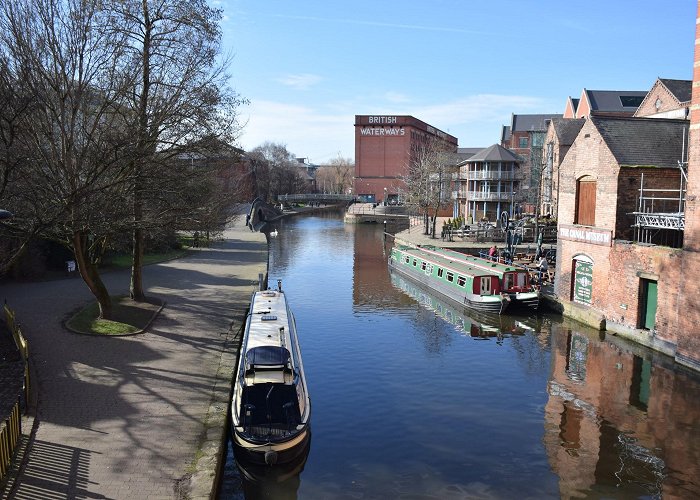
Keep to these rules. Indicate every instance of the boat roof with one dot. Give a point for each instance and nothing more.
(481, 263)
(268, 314)
(457, 265)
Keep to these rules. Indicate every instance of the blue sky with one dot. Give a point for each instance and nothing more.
(308, 67)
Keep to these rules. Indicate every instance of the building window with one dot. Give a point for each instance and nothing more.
(585, 201)
(522, 142)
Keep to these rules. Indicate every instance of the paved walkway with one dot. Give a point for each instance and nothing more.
(128, 417)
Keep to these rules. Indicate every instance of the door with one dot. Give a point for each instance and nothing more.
(485, 285)
(647, 307)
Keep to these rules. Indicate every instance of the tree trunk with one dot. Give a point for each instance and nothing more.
(88, 271)
(136, 284)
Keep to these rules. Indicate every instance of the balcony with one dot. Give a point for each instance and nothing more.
(485, 176)
(481, 196)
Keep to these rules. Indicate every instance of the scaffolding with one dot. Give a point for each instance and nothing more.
(660, 215)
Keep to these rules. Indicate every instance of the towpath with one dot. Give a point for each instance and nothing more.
(140, 416)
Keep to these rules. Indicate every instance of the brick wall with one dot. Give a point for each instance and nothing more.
(688, 325)
(658, 91)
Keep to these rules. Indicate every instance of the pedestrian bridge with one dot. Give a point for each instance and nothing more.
(319, 197)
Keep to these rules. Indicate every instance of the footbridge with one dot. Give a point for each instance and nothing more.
(316, 197)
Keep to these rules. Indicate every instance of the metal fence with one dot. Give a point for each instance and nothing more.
(11, 425)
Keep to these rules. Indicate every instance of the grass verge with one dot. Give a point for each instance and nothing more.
(123, 261)
(128, 317)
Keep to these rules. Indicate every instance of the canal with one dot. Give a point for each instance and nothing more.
(414, 398)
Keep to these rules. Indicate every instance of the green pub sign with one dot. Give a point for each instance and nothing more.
(583, 282)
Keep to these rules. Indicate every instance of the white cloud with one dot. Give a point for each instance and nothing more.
(301, 81)
(307, 132)
(321, 133)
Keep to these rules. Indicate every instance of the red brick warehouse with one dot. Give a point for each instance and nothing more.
(383, 145)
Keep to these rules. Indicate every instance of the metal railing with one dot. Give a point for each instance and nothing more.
(481, 196)
(491, 175)
(315, 197)
(11, 425)
(10, 432)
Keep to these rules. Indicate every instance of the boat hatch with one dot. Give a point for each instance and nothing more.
(267, 357)
(269, 317)
(268, 364)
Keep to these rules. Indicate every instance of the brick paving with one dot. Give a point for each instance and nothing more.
(124, 418)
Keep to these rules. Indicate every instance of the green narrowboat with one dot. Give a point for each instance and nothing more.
(515, 281)
(465, 284)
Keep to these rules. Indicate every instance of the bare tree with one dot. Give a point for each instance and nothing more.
(69, 155)
(428, 180)
(179, 97)
(336, 176)
(275, 170)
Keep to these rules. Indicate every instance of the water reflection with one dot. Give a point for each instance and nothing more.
(477, 325)
(432, 401)
(280, 482)
(620, 419)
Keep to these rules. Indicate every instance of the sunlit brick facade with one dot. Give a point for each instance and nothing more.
(383, 146)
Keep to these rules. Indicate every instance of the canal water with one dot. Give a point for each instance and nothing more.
(413, 398)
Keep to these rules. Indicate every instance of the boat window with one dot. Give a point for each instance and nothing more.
(415, 262)
(461, 280)
(450, 277)
(440, 272)
(509, 281)
(423, 265)
(485, 286)
(406, 259)
(522, 279)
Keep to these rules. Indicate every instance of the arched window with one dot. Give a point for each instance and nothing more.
(585, 201)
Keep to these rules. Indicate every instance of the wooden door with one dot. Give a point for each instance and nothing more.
(585, 202)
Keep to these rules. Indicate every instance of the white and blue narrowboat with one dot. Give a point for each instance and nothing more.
(467, 285)
(270, 408)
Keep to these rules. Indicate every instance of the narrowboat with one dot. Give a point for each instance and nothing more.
(478, 326)
(467, 285)
(270, 407)
(515, 281)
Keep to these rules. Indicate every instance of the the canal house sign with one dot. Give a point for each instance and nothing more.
(586, 234)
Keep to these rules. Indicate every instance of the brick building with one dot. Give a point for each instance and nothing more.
(604, 102)
(688, 311)
(667, 99)
(383, 148)
(620, 227)
(525, 137)
(560, 135)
